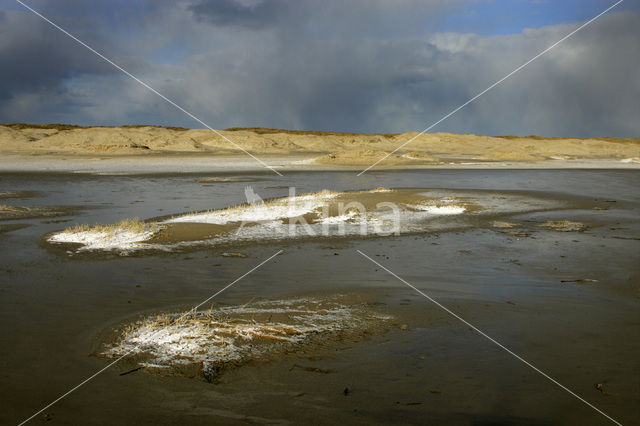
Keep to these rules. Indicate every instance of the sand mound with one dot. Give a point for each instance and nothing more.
(128, 234)
(204, 344)
(379, 212)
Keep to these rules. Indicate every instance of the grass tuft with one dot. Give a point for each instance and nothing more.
(268, 202)
(132, 225)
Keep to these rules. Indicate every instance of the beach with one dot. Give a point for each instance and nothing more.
(240, 212)
(563, 297)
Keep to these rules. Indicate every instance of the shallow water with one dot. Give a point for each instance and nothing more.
(56, 308)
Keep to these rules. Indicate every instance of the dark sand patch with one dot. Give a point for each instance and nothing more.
(12, 227)
(8, 212)
(19, 194)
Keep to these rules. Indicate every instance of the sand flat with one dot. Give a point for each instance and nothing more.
(531, 288)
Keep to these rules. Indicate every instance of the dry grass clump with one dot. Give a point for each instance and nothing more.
(54, 126)
(564, 226)
(267, 203)
(6, 208)
(130, 225)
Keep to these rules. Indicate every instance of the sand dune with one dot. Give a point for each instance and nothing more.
(317, 147)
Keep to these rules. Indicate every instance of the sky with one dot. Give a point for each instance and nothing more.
(373, 66)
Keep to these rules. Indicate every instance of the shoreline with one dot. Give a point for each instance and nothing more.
(201, 163)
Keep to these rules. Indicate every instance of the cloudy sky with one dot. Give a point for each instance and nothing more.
(342, 65)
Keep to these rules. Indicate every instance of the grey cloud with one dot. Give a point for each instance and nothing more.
(324, 68)
(232, 12)
(46, 76)
(34, 57)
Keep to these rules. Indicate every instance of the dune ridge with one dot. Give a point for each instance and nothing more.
(316, 147)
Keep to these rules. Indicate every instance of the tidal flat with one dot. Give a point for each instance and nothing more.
(554, 278)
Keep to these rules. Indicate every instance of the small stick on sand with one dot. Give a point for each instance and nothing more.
(132, 371)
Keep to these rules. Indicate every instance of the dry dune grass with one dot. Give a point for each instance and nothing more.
(129, 225)
(268, 203)
(60, 127)
(52, 126)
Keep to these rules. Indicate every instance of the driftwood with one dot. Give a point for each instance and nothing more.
(132, 371)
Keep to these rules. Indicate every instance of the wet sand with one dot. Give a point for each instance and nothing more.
(234, 163)
(506, 281)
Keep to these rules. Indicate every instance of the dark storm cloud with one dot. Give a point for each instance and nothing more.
(33, 58)
(44, 73)
(332, 65)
